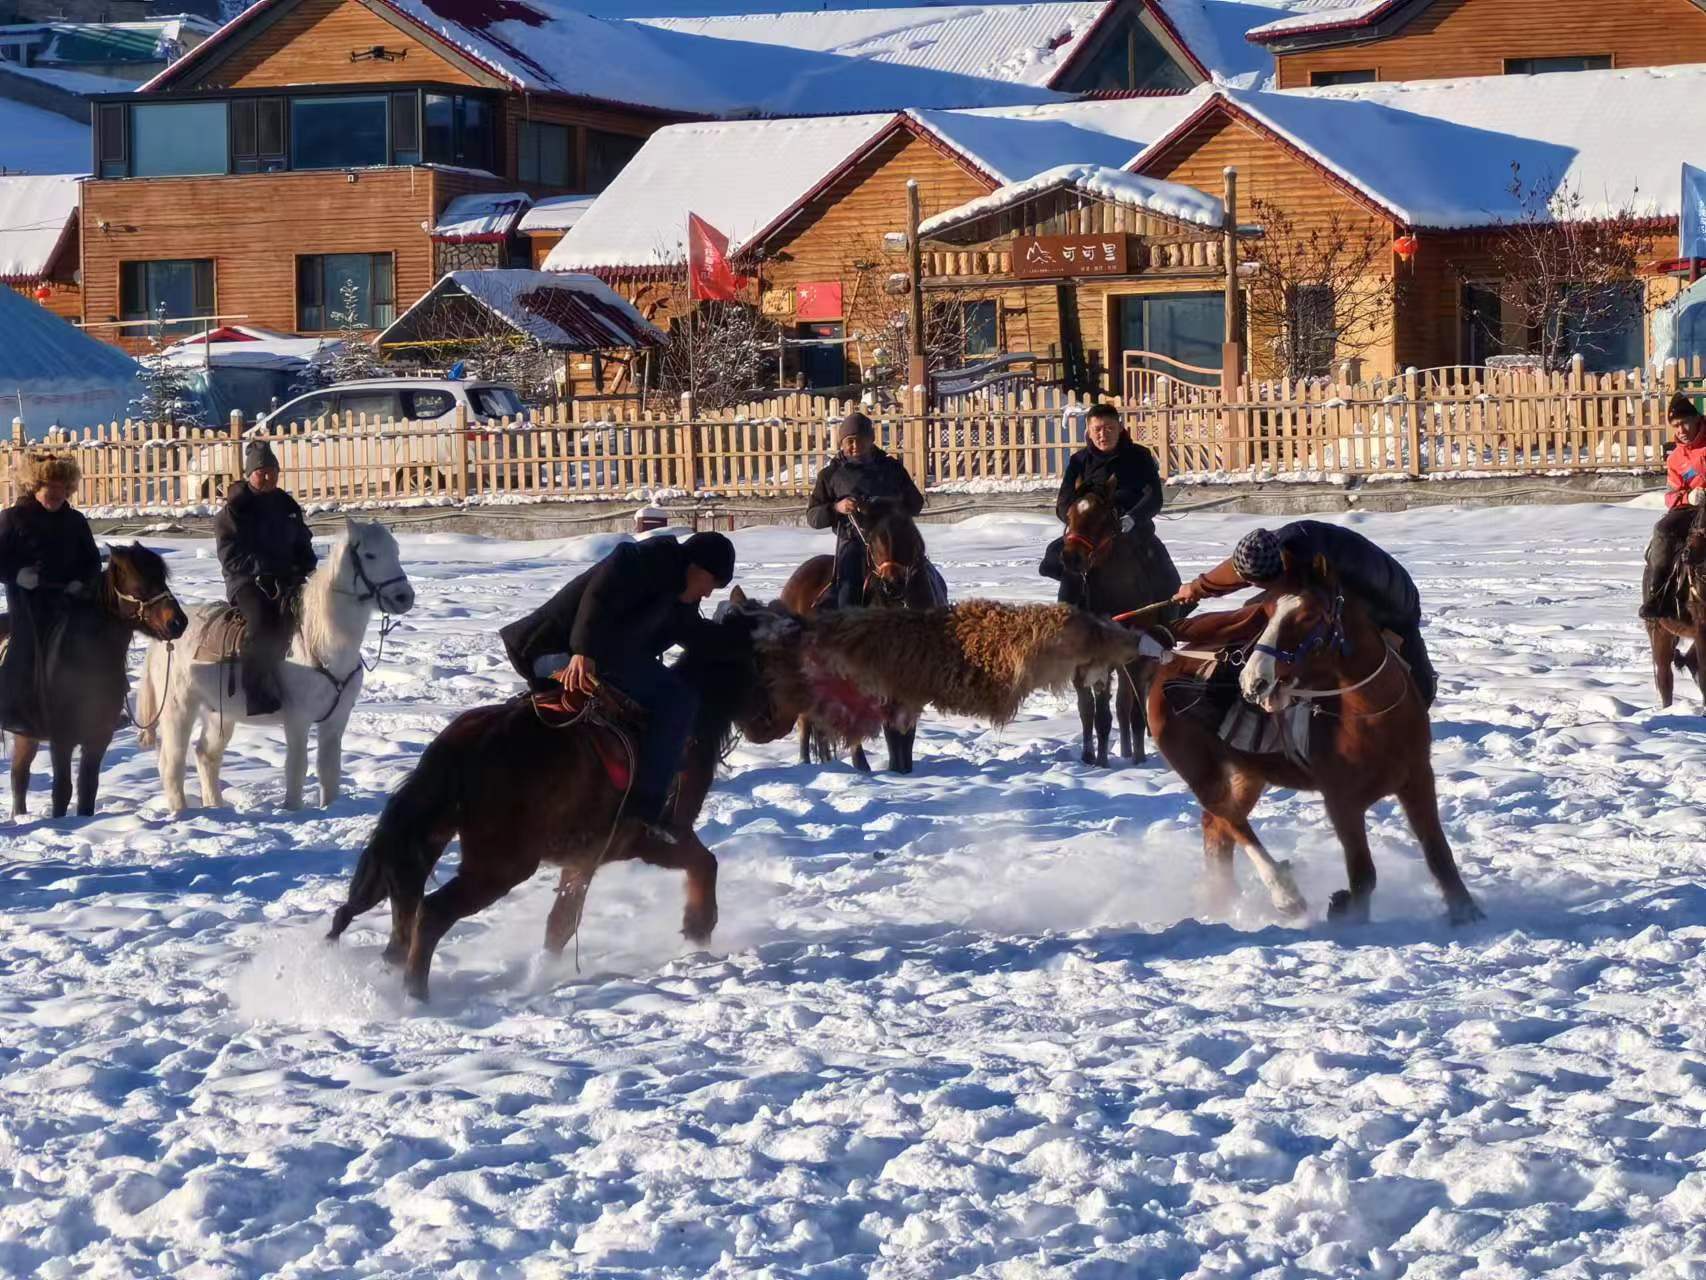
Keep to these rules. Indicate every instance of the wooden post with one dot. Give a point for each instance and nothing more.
(1232, 348)
(917, 435)
(688, 453)
(916, 371)
(236, 445)
(459, 450)
(1413, 420)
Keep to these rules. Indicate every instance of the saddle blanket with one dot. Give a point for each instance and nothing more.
(221, 635)
(611, 720)
(1217, 705)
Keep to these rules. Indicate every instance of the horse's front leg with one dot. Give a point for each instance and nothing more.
(89, 773)
(210, 748)
(1350, 824)
(1104, 717)
(565, 918)
(61, 753)
(1699, 652)
(1664, 652)
(295, 761)
(23, 756)
(1086, 716)
(689, 854)
(329, 760)
(174, 732)
(1128, 713)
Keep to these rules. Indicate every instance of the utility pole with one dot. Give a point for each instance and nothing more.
(916, 372)
(1232, 349)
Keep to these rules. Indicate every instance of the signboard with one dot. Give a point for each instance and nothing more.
(1050, 257)
(778, 304)
(820, 300)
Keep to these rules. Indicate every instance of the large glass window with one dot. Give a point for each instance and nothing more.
(337, 133)
(479, 147)
(406, 128)
(344, 290)
(257, 135)
(111, 158)
(544, 158)
(177, 137)
(1545, 66)
(1184, 328)
(606, 153)
(1127, 57)
(166, 290)
(458, 130)
(1325, 79)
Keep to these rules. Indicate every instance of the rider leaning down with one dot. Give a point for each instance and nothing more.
(1687, 489)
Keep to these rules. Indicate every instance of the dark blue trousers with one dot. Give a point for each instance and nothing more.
(671, 705)
(849, 574)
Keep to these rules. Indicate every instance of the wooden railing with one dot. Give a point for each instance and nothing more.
(1518, 421)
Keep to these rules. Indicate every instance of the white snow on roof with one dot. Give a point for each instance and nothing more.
(37, 141)
(558, 213)
(1312, 15)
(484, 216)
(1438, 153)
(258, 349)
(34, 215)
(78, 82)
(1215, 32)
(738, 176)
(589, 316)
(1170, 199)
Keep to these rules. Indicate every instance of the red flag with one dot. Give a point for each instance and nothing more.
(710, 277)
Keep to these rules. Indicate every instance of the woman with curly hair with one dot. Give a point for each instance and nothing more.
(50, 565)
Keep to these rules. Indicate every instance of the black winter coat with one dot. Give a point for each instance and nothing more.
(263, 535)
(1383, 584)
(60, 548)
(881, 479)
(57, 544)
(626, 606)
(1137, 480)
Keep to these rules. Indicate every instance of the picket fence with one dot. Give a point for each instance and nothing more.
(1520, 421)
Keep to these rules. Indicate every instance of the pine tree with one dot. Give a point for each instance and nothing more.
(167, 393)
(351, 357)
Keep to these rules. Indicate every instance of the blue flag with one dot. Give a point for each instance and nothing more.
(1692, 224)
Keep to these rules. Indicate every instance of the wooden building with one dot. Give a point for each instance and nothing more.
(38, 241)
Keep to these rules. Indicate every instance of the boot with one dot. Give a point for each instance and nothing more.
(642, 822)
(1652, 607)
(261, 692)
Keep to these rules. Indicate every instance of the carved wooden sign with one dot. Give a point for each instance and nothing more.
(1049, 257)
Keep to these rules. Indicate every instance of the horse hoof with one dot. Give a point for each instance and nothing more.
(698, 932)
(1343, 908)
(1464, 911)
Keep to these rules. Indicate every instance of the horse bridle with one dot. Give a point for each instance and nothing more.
(874, 568)
(1328, 632)
(371, 589)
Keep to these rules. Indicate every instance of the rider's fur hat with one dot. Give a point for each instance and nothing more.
(1257, 557)
(1681, 406)
(853, 425)
(258, 454)
(37, 469)
(714, 553)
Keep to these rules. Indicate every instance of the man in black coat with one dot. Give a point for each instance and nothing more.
(50, 565)
(859, 477)
(267, 552)
(1110, 454)
(1382, 584)
(614, 622)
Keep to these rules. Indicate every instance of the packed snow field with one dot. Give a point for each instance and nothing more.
(972, 1022)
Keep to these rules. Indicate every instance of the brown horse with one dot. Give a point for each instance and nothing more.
(84, 678)
(1112, 575)
(1366, 739)
(524, 788)
(898, 575)
(1689, 623)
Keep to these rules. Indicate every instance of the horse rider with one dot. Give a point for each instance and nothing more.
(267, 552)
(1686, 473)
(860, 475)
(50, 565)
(1372, 575)
(1109, 452)
(614, 622)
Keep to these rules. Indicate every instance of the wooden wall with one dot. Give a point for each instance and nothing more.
(1474, 37)
(312, 44)
(578, 115)
(64, 299)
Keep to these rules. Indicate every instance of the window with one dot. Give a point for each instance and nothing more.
(606, 154)
(339, 290)
(1129, 57)
(495, 402)
(973, 325)
(169, 290)
(406, 128)
(337, 133)
(1326, 79)
(822, 354)
(1545, 66)
(178, 137)
(257, 135)
(112, 160)
(308, 409)
(424, 406)
(1182, 328)
(1482, 316)
(457, 129)
(438, 127)
(1605, 326)
(478, 147)
(1311, 330)
(385, 405)
(544, 158)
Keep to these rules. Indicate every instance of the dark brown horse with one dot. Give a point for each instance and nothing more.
(1368, 737)
(898, 575)
(523, 788)
(1112, 574)
(1688, 622)
(84, 677)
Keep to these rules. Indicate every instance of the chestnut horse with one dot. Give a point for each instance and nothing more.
(1114, 575)
(1689, 622)
(898, 575)
(1367, 738)
(84, 684)
(522, 787)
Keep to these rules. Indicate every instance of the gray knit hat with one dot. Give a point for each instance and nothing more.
(853, 425)
(258, 454)
(1257, 557)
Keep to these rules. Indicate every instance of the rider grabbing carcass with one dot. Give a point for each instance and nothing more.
(1686, 471)
(860, 475)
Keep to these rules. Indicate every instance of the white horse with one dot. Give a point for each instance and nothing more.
(320, 680)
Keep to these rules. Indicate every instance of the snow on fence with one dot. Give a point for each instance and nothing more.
(1519, 421)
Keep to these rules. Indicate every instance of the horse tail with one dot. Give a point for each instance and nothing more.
(148, 700)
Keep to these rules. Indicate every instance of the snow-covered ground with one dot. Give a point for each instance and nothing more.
(966, 1023)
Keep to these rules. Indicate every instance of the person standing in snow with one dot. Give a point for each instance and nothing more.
(266, 552)
(1377, 579)
(1686, 473)
(862, 474)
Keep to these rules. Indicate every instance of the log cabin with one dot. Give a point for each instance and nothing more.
(38, 241)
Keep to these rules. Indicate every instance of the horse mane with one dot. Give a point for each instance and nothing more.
(315, 606)
(722, 668)
(900, 532)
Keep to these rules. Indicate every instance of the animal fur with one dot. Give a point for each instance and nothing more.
(36, 469)
(977, 658)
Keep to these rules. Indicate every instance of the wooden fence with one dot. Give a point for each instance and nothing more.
(1515, 422)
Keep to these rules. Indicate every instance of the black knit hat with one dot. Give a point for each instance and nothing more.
(1681, 406)
(1257, 557)
(258, 454)
(713, 553)
(855, 424)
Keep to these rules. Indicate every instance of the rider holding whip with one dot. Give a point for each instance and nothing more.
(860, 475)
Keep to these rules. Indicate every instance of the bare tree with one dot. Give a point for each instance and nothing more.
(1318, 293)
(880, 320)
(721, 351)
(1571, 281)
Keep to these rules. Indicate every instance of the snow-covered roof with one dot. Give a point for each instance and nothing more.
(38, 141)
(558, 213)
(36, 346)
(573, 312)
(488, 216)
(1438, 153)
(1315, 17)
(36, 216)
(1215, 32)
(738, 176)
(78, 82)
(1169, 199)
(250, 347)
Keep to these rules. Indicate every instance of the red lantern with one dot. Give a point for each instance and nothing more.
(1405, 247)
(43, 293)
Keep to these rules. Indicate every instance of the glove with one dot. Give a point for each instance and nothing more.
(1127, 524)
(29, 577)
(74, 589)
(1697, 497)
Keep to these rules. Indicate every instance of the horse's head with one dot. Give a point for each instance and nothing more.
(1092, 524)
(1309, 631)
(896, 553)
(372, 567)
(746, 671)
(136, 581)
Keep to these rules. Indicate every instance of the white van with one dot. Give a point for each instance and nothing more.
(422, 400)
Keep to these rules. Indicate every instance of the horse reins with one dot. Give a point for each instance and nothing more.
(1328, 633)
(142, 606)
(372, 592)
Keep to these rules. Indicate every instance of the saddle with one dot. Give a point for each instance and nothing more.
(222, 637)
(1215, 702)
(611, 719)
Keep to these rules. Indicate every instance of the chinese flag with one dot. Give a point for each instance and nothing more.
(710, 277)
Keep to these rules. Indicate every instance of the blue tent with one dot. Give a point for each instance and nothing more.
(54, 374)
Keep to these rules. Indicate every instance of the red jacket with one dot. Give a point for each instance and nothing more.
(1687, 470)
